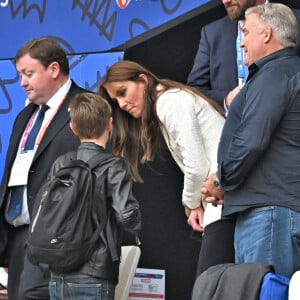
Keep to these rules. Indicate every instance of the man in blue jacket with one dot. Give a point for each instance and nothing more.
(259, 150)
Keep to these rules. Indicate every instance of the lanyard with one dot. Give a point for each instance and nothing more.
(242, 70)
(27, 130)
(44, 128)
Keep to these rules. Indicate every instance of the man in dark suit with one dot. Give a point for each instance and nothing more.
(44, 70)
(215, 65)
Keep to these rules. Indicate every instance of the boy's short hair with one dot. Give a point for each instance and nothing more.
(89, 114)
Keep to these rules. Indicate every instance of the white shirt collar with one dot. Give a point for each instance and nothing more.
(56, 99)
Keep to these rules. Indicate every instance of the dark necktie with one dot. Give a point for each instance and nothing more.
(16, 199)
(30, 143)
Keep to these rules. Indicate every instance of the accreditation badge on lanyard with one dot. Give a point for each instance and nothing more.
(21, 166)
(23, 160)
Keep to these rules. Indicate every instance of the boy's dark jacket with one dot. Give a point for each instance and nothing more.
(114, 187)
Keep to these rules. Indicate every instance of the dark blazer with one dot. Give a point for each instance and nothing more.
(57, 140)
(214, 71)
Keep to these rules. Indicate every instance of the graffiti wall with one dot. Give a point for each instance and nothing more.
(88, 30)
(84, 25)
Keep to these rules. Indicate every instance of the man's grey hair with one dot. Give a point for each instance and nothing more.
(280, 18)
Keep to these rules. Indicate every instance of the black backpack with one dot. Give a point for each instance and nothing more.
(64, 227)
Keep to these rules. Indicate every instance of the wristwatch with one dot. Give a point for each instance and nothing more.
(217, 183)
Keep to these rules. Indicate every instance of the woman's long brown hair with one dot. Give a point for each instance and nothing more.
(132, 138)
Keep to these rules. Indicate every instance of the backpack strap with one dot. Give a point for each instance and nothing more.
(93, 162)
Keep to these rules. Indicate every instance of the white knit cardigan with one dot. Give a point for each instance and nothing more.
(191, 128)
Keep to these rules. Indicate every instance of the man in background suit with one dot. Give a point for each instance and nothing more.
(44, 70)
(215, 65)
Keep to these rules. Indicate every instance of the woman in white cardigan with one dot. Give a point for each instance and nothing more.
(150, 113)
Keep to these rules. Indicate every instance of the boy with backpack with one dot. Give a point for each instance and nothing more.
(83, 255)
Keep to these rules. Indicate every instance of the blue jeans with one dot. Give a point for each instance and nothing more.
(269, 235)
(79, 287)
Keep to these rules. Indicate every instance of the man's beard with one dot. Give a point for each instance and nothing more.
(236, 12)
